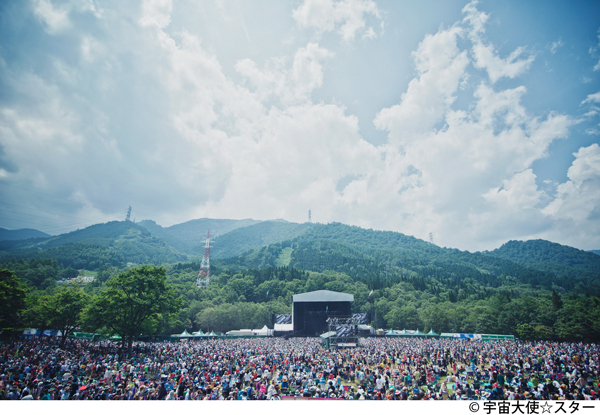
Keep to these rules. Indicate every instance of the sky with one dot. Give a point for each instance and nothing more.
(466, 124)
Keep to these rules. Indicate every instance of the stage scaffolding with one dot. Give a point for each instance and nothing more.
(343, 332)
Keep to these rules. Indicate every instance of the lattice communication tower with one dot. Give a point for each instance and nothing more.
(204, 273)
(128, 214)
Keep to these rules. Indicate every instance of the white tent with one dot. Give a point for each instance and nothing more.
(262, 332)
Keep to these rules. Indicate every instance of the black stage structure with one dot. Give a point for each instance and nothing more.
(311, 311)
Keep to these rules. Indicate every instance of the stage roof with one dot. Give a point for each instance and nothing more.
(322, 296)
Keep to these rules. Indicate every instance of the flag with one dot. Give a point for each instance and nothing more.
(370, 293)
(267, 293)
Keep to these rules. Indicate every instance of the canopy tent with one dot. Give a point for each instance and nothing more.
(461, 336)
(242, 332)
(432, 334)
(86, 336)
(406, 333)
(184, 335)
(262, 332)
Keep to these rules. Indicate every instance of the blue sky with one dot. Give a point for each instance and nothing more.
(467, 123)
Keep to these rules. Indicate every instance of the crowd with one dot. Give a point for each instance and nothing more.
(275, 368)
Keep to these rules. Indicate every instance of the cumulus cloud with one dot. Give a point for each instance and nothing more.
(288, 85)
(156, 122)
(576, 207)
(517, 193)
(156, 13)
(485, 55)
(347, 17)
(440, 66)
(459, 173)
(169, 133)
(54, 18)
(54, 15)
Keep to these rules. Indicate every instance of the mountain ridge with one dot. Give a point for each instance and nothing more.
(20, 234)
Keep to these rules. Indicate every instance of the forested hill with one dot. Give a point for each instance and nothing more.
(381, 258)
(113, 243)
(416, 284)
(19, 234)
(188, 237)
(256, 236)
(549, 256)
(402, 281)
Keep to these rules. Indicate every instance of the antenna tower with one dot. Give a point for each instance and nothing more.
(204, 273)
(309, 216)
(128, 214)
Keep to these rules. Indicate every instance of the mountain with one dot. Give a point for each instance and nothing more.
(19, 234)
(381, 258)
(256, 236)
(595, 251)
(546, 292)
(549, 256)
(113, 243)
(188, 237)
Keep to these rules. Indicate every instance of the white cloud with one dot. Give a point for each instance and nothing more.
(576, 208)
(156, 13)
(591, 98)
(517, 193)
(288, 85)
(348, 17)
(55, 19)
(485, 55)
(555, 45)
(593, 50)
(440, 66)
(169, 132)
(511, 67)
(458, 174)
(594, 110)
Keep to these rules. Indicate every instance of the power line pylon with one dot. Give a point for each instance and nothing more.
(204, 273)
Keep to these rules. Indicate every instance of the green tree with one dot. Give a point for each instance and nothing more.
(13, 294)
(39, 312)
(556, 301)
(526, 331)
(543, 333)
(132, 303)
(68, 305)
(68, 273)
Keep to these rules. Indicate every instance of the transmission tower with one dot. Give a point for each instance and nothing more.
(309, 216)
(128, 214)
(204, 273)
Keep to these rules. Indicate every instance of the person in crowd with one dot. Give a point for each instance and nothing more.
(275, 368)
